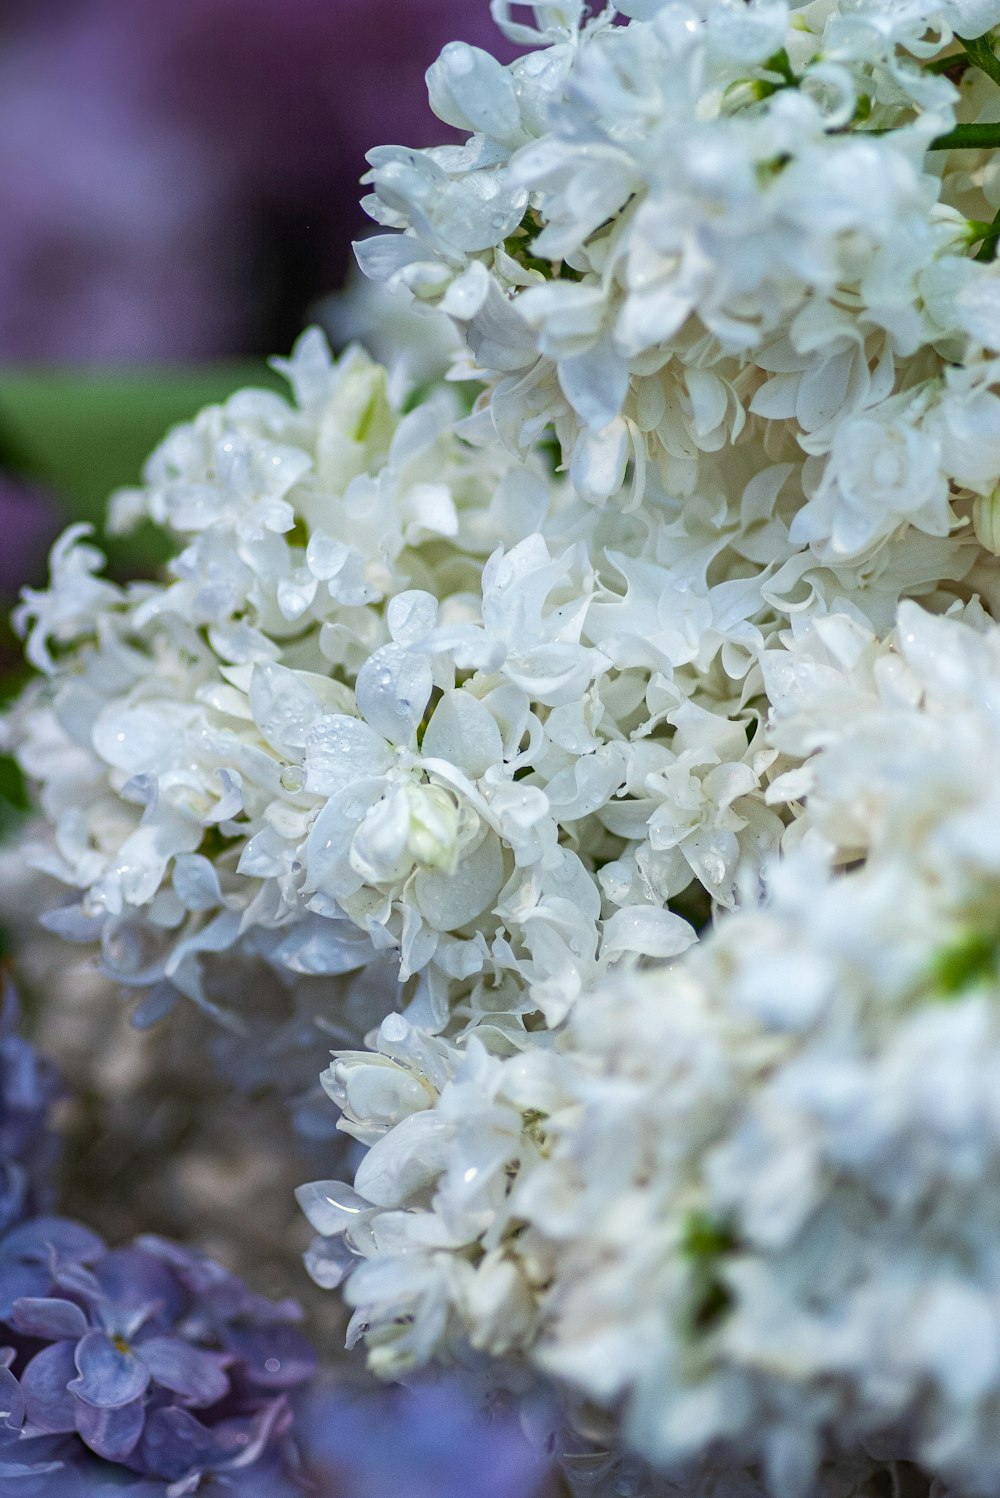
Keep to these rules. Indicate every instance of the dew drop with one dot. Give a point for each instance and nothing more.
(292, 778)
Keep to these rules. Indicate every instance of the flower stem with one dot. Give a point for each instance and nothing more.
(968, 138)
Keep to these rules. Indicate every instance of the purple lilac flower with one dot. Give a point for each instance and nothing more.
(150, 1366)
(434, 1442)
(29, 1085)
(152, 1356)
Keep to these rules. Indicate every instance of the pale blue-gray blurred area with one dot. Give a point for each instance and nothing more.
(179, 186)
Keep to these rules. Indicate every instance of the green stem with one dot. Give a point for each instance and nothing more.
(968, 138)
(980, 50)
(988, 247)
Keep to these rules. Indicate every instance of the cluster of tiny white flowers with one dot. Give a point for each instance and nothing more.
(447, 736)
(712, 228)
(401, 704)
(747, 1203)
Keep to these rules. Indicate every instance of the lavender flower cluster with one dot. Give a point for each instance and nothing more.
(150, 1357)
(29, 1085)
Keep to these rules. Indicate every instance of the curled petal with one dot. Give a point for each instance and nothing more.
(49, 1317)
(110, 1376)
(44, 1384)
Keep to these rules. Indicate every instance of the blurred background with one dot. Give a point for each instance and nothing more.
(178, 194)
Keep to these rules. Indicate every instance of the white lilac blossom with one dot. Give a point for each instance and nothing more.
(746, 1204)
(717, 227)
(430, 750)
(406, 706)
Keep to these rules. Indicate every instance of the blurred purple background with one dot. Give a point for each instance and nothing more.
(179, 178)
(178, 184)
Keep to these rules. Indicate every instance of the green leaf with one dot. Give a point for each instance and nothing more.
(968, 962)
(86, 432)
(980, 50)
(989, 236)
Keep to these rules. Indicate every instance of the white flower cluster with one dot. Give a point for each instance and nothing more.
(422, 738)
(402, 706)
(715, 228)
(747, 1205)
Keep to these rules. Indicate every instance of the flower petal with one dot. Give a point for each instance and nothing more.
(340, 751)
(110, 1377)
(239, 1442)
(137, 1286)
(175, 1443)
(111, 1433)
(272, 1357)
(392, 690)
(198, 1376)
(44, 1384)
(41, 1238)
(11, 1404)
(17, 1280)
(49, 1317)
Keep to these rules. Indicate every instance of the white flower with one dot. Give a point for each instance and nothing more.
(737, 1203)
(662, 227)
(399, 696)
(640, 810)
(880, 475)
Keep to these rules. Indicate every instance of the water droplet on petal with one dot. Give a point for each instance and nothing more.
(292, 778)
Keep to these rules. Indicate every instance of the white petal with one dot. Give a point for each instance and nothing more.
(464, 732)
(648, 931)
(392, 691)
(340, 751)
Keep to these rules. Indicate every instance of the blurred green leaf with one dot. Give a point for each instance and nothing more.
(13, 790)
(15, 803)
(86, 432)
